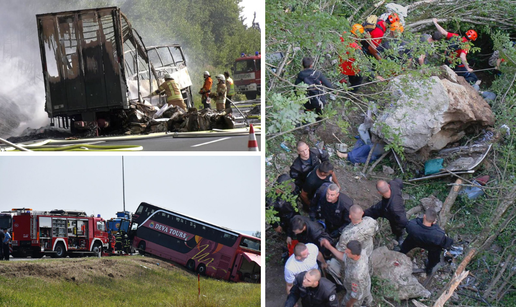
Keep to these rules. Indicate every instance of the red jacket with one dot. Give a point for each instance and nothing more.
(346, 66)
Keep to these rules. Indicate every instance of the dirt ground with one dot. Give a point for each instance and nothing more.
(80, 270)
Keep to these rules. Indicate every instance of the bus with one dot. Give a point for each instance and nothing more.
(208, 249)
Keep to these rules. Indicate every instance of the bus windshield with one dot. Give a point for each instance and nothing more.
(250, 244)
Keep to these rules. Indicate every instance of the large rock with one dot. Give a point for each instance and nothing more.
(396, 269)
(432, 113)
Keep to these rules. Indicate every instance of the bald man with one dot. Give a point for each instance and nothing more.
(390, 207)
(314, 291)
(307, 159)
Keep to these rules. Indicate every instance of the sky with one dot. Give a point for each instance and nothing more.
(223, 190)
(251, 6)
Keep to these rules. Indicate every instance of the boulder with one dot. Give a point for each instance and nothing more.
(432, 113)
(431, 202)
(396, 269)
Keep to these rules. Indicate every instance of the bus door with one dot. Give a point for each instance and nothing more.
(236, 275)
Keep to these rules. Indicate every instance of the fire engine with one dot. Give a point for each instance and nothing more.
(247, 75)
(57, 233)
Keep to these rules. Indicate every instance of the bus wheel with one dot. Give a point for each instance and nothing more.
(141, 247)
(60, 250)
(190, 265)
(201, 269)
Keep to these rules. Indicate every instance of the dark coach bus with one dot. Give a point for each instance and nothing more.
(200, 246)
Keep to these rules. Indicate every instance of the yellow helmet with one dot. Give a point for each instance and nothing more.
(357, 27)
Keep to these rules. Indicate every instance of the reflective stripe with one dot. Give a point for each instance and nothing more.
(171, 89)
(231, 87)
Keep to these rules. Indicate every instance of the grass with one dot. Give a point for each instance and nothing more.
(151, 286)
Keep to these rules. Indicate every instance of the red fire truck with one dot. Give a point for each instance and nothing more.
(247, 75)
(57, 233)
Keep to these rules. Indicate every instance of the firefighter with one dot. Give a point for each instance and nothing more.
(206, 90)
(220, 96)
(230, 85)
(173, 92)
(313, 290)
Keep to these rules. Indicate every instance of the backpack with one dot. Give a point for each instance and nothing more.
(313, 82)
(370, 23)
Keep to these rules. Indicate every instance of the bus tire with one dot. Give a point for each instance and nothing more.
(60, 250)
(141, 247)
(201, 269)
(190, 265)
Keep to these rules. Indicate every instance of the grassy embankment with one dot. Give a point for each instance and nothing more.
(115, 281)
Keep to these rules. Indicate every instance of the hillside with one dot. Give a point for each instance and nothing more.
(111, 281)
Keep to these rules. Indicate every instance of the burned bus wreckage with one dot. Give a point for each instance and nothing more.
(97, 71)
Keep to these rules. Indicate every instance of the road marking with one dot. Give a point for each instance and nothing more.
(222, 139)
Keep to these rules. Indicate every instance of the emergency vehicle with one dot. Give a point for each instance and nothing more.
(57, 233)
(247, 75)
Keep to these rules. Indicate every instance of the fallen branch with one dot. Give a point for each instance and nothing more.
(418, 304)
(368, 159)
(378, 161)
(448, 203)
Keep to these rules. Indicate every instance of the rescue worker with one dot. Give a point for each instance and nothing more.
(173, 92)
(220, 96)
(390, 207)
(362, 229)
(314, 291)
(2, 238)
(332, 206)
(303, 259)
(347, 67)
(375, 29)
(315, 81)
(426, 234)
(206, 90)
(5, 244)
(281, 204)
(307, 159)
(230, 85)
(430, 39)
(307, 231)
(321, 174)
(457, 52)
(357, 280)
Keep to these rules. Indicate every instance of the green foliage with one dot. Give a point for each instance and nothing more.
(383, 288)
(279, 191)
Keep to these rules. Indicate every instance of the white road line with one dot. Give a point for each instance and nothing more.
(222, 139)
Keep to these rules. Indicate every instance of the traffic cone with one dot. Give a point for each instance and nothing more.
(252, 145)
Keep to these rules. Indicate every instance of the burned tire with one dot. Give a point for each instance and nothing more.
(190, 265)
(201, 269)
(60, 250)
(141, 247)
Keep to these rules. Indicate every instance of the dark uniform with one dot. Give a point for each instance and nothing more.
(432, 238)
(313, 233)
(313, 183)
(322, 295)
(284, 210)
(316, 79)
(335, 215)
(2, 237)
(301, 168)
(391, 208)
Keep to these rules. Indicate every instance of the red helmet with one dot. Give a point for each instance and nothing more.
(393, 17)
(472, 35)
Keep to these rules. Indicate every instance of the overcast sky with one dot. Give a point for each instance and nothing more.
(223, 190)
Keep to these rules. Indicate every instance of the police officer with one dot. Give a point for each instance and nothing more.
(307, 231)
(5, 244)
(357, 280)
(314, 291)
(307, 159)
(321, 174)
(281, 204)
(425, 233)
(332, 206)
(390, 207)
(173, 92)
(304, 258)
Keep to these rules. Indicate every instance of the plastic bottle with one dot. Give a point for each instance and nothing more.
(285, 147)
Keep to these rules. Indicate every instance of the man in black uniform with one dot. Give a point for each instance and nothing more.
(307, 159)
(424, 233)
(390, 207)
(332, 206)
(283, 208)
(314, 291)
(315, 81)
(307, 231)
(321, 174)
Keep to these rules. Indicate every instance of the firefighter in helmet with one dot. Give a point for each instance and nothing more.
(173, 92)
(205, 90)
(230, 85)
(220, 96)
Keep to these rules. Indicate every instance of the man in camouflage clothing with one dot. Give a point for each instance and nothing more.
(357, 280)
(362, 228)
